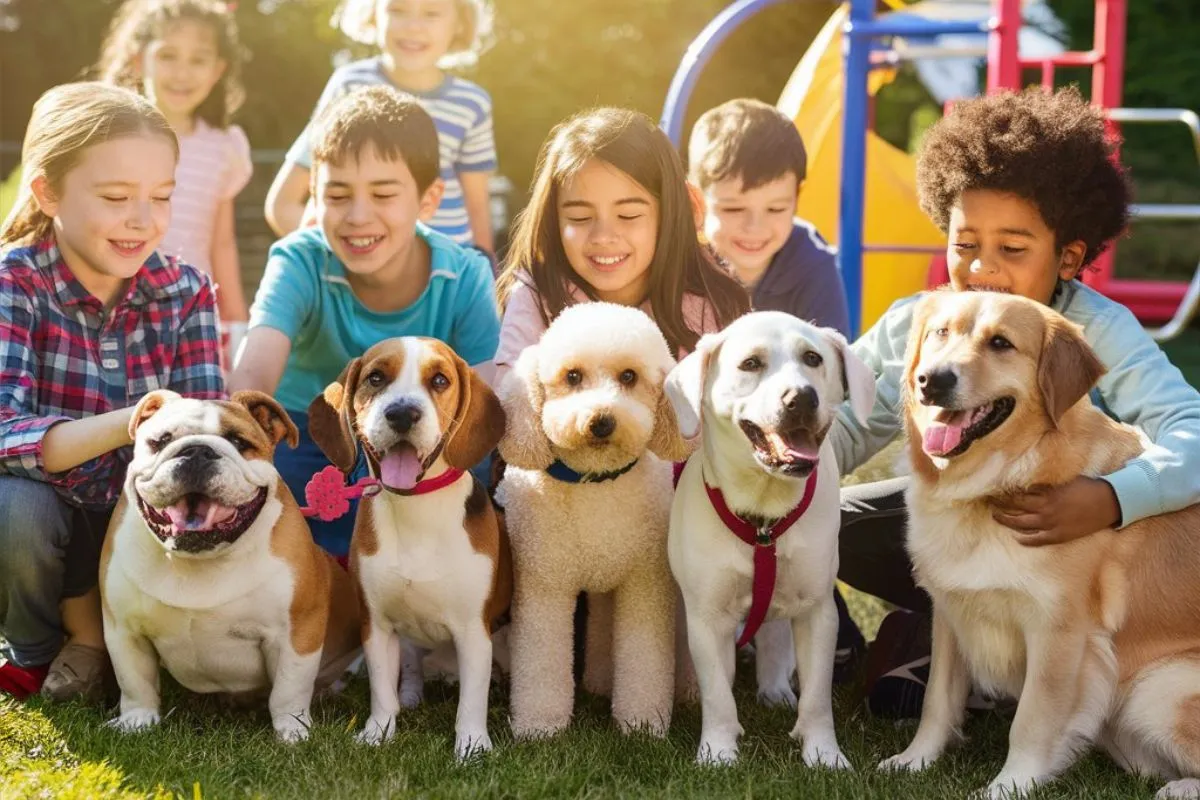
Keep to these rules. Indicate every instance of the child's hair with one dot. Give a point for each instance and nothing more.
(1051, 149)
(66, 121)
(138, 23)
(632, 143)
(392, 122)
(356, 19)
(745, 139)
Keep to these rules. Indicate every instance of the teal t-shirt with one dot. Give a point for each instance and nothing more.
(304, 294)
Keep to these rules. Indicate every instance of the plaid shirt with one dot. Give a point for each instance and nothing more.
(62, 358)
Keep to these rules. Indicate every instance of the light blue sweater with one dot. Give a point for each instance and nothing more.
(1141, 388)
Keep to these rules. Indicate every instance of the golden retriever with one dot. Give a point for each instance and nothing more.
(1098, 638)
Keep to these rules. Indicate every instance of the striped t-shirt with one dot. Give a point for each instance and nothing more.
(462, 112)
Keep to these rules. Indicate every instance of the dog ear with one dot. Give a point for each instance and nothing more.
(270, 416)
(148, 406)
(1068, 368)
(922, 311)
(525, 444)
(478, 422)
(666, 442)
(331, 420)
(858, 381)
(684, 386)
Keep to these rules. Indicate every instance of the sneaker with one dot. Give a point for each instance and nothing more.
(21, 682)
(79, 671)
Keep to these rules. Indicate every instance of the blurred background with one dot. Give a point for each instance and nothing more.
(550, 58)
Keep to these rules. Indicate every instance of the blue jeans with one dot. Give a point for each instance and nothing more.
(297, 467)
(49, 550)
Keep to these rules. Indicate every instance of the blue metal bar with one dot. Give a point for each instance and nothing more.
(697, 56)
(913, 27)
(857, 51)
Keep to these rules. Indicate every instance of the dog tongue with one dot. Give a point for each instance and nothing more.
(198, 514)
(946, 434)
(400, 468)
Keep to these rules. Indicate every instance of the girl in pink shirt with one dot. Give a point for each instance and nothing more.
(185, 57)
(611, 218)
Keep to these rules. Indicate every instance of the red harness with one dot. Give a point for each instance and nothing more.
(762, 539)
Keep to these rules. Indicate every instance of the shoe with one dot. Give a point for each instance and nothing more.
(20, 683)
(79, 671)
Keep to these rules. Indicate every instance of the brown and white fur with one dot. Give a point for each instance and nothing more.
(764, 393)
(1099, 638)
(431, 568)
(599, 367)
(210, 569)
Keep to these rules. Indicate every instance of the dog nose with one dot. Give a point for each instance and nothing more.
(937, 384)
(200, 452)
(800, 399)
(602, 426)
(402, 416)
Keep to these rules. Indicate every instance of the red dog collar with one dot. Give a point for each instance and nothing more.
(328, 497)
(762, 539)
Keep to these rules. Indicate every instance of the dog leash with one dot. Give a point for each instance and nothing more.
(328, 497)
(762, 539)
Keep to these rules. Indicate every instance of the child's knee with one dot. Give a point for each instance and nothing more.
(34, 530)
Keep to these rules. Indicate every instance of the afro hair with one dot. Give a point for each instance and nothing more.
(1052, 149)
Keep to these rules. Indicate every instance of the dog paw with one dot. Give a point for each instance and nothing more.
(411, 693)
(777, 696)
(907, 761)
(825, 755)
(713, 753)
(1185, 789)
(1009, 787)
(292, 728)
(376, 732)
(470, 745)
(137, 719)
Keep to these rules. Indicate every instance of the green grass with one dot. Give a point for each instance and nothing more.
(203, 750)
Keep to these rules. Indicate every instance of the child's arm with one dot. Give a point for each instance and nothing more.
(287, 198)
(196, 371)
(882, 349)
(521, 327)
(477, 200)
(227, 271)
(261, 360)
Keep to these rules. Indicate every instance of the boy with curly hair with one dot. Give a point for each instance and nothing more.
(1029, 192)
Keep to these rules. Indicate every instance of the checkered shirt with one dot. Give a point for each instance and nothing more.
(63, 358)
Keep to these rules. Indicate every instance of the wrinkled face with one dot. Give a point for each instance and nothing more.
(778, 380)
(749, 226)
(406, 401)
(182, 67)
(369, 207)
(201, 472)
(416, 33)
(973, 367)
(600, 397)
(609, 228)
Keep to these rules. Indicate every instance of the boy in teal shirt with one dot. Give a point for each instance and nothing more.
(371, 270)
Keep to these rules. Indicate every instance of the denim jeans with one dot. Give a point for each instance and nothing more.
(49, 550)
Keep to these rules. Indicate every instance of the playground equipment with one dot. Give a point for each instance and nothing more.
(876, 207)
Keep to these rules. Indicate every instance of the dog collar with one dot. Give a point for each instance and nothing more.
(328, 497)
(762, 539)
(560, 471)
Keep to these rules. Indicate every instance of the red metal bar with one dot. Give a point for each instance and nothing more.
(1003, 60)
(1108, 41)
(1074, 58)
(1048, 75)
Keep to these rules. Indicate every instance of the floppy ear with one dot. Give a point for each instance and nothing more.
(478, 421)
(665, 440)
(1068, 368)
(524, 444)
(270, 416)
(331, 419)
(858, 381)
(916, 335)
(148, 406)
(684, 386)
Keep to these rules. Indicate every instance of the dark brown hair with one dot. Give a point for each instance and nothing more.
(392, 122)
(1051, 149)
(138, 23)
(745, 139)
(633, 144)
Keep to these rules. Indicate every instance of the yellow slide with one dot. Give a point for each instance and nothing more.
(813, 98)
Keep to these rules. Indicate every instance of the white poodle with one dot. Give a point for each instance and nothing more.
(587, 493)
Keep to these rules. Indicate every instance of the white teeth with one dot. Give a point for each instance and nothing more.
(608, 261)
(126, 245)
(362, 241)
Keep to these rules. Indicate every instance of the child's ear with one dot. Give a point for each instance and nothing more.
(47, 203)
(1070, 260)
(699, 205)
(431, 199)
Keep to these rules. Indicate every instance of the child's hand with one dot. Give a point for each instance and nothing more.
(1057, 514)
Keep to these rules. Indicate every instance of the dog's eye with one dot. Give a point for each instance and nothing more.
(1000, 343)
(439, 382)
(376, 379)
(942, 333)
(813, 359)
(627, 377)
(237, 441)
(574, 377)
(159, 443)
(751, 364)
